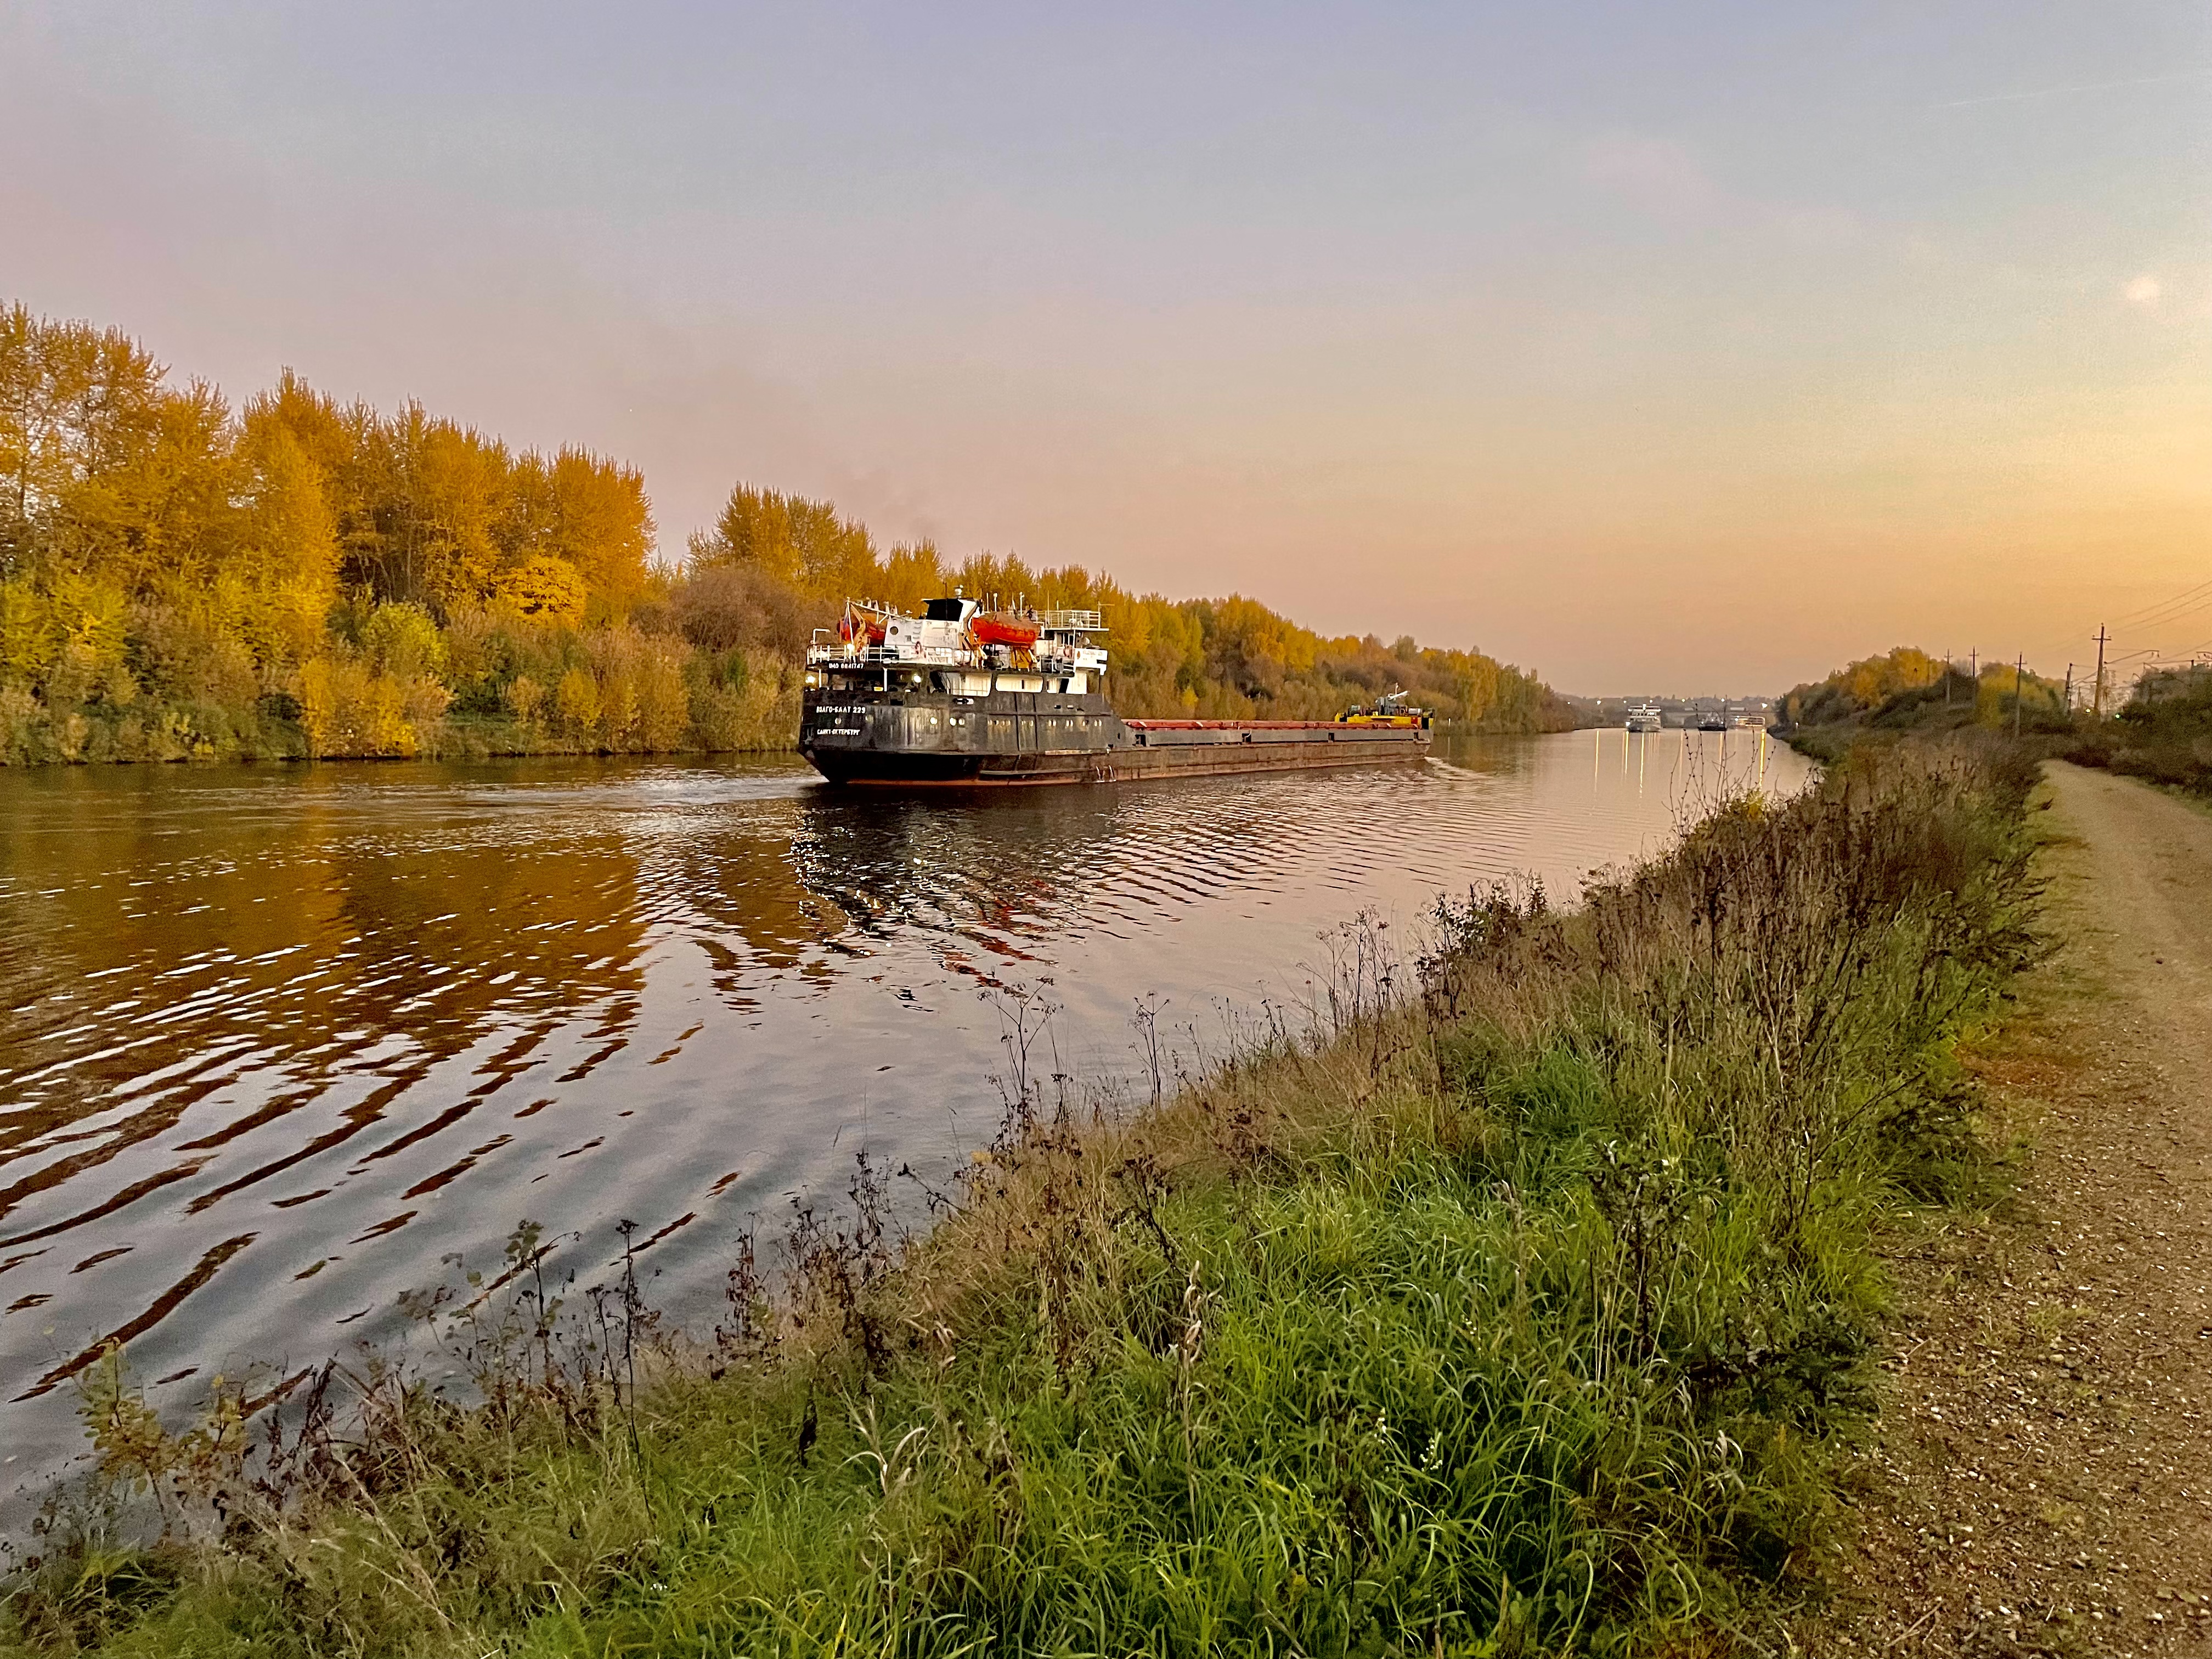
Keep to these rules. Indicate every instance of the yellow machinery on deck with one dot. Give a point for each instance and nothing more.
(1389, 712)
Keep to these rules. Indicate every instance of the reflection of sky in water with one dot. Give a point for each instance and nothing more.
(274, 1042)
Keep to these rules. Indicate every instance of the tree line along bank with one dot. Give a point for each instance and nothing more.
(2161, 729)
(298, 576)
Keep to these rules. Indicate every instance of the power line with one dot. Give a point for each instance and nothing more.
(2166, 619)
(2148, 613)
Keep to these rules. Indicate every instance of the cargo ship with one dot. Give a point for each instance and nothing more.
(966, 694)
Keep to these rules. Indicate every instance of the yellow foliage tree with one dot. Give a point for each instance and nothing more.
(542, 587)
(804, 542)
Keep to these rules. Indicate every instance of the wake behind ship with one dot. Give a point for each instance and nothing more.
(960, 695)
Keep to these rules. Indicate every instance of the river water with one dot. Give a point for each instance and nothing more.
(275, 1042)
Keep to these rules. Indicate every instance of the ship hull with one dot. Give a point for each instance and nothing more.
(918, 739)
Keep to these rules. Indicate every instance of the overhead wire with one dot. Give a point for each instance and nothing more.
(2161, 614)
(2160, 624)
(2189, 598)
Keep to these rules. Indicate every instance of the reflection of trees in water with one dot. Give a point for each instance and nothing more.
(275, 956)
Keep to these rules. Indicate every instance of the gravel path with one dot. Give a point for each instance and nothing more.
(2042, 1479)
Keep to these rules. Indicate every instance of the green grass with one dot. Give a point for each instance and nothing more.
(1522, 1316)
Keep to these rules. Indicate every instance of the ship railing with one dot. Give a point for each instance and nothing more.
(1072, 622)
(866, 656)
(879, 656)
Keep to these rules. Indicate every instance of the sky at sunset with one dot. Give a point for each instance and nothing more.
(1690, 346)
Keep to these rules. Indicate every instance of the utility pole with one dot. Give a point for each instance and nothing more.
(2069, 691)
(2019, 667)
(2097, 699)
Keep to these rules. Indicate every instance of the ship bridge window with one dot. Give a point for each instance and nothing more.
(941, 611)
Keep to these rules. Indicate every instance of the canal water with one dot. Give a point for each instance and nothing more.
(275, 1042)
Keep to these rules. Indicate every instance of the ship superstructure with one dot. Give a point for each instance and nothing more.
(966, 694)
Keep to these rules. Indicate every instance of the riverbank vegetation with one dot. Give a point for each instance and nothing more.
(300, 577)
(1907, 690)
(2163, 732)
(2160, 731)
(1514, 1302)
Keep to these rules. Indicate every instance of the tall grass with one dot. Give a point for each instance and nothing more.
(1515, 1309)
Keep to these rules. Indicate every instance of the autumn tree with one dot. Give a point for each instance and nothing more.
(804, 542)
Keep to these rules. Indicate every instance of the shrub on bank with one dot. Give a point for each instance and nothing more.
(1517, 1313)
(2162, 734)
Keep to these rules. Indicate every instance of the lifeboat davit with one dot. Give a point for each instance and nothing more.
(1002, 627)
(859, 623)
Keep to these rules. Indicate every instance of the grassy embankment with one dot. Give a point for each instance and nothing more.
(1518, 1314)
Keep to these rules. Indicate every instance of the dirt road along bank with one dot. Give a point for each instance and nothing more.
(2042, 1479)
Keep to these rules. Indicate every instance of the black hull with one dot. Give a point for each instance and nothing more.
(932, 771)
(918, 739)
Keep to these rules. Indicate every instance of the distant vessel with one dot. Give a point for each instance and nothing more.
(1644, 717)
(964, 695)
(1711, 723)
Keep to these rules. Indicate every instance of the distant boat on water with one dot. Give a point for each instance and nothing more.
(1645, 717)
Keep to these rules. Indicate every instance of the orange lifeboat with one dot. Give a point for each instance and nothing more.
(1004, 627)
